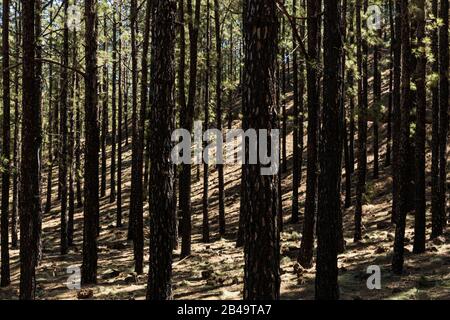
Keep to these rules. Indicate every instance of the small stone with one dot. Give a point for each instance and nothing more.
(85, 294)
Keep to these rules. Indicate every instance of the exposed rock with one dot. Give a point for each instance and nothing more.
(85, 294)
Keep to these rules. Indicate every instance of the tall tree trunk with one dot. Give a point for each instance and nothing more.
(5, 271)
(105, 96)
(307, 244)
(397, 258)
(16, 160)
(262, 276)
(221, 184)
(350, 132)
(330, 159)
(63, 133)
(186, 119)
(138, 242)
(136, 182)
(441, 221)
(376, 106)
(181, 92)
(71, 147)
(30, 204)
(388, 160)
(435, 192)
(112, 196)
(396, 112)
(296, 171)
(421, 108)
(119, 126)
(51, 112)
(91, 187)
(362, 124)
(78, 151)
(161, 171)
(205, 200)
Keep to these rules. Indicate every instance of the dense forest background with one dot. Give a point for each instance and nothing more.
(92, 207)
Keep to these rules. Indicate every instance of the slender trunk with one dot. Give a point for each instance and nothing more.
(441, 220)
(396, 111)
(420, 77)
(222, 223)
(161, 171)
(15, 200)
(91, 187)
(330, 159)
(30, 204)
(376, 107)
(307, 244)
(362, 124)
(105, 97)
(397, 258)
(51, 112)
(5, 271)
(436, 123)
(78, 149)
(205, 202)
(119, 126)
(112, 196)
(63, 132)
(187, 118)
(296, 171)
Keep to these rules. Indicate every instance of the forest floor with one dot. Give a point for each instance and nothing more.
(215, 270)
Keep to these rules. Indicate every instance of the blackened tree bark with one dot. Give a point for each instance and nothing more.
(362, 124)
(91, 185)
(441, 219)
(222, 226)
(398, 259)
(420, 82)
(435, 198)
(376, 106)
(51, 112)
(349, 127)
(262, 276)
(105, 97)
(162, 170)
(283, 119)
(307, 244)
(181, 95)
(388, 159)
(138, 242)
(112, 196)
(396, 114)
(16, 160)
(186, 119)
(71, 145)
(119, 125)
(136, 183)
(78, 149)
(205, 199)
(330, 159)
(296, 171)
(63, 133)
(29, 197)
(5, 271)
